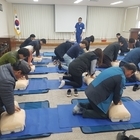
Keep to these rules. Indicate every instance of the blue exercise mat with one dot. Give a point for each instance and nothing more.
(120, 57)
(54, 84)
(46, 70)
(97, 129)
(36, 86)
(132, 83)
(55, 70)
(48, 54)
(67, 119)
(40, 122)
(44, 61)
(34, 105)
(100, 69)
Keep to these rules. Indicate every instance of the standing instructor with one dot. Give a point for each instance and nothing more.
(79, 29)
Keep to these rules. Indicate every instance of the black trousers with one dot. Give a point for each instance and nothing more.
(106, 62)
(124, 50)
(90, 110)
(58, 57)
(75, 81)
(132, 78)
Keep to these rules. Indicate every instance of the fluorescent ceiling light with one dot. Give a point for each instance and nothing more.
(77, 1)
(35, 0)
(118, 2)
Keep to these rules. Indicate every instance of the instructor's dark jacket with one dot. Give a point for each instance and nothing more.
(112, 51)
(106, 87)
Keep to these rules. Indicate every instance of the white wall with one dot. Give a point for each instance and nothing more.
(39, 19)
(131, 19)
(3, 19)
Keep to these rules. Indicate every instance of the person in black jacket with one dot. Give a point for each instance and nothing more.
(89, 40)
(37, 45)
(9, 74)
(110, 54)
(124, 48)
(84, 63)
(61, 49)
(27, 41)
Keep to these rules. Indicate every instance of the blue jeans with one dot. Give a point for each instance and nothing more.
(67, 60)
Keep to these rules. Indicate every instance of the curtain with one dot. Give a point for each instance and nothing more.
(39, 20)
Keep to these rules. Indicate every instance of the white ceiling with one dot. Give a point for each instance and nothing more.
(126, 3)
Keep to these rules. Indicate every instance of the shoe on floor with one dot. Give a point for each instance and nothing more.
(77, 110)
(60, 67)
(69, 93)
(75, 92)
(136, 87)
(122, 136)
(131, 137)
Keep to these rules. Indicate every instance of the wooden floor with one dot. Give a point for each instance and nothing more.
(52, 43)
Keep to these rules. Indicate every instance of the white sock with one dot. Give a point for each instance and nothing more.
(60, 79)
(62, 84)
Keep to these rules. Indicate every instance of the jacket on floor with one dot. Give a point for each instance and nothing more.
(112, 51)
(107, 87)
(133, 57)
(63, 48)
(82, 64)
(26, 42)
(7, 85)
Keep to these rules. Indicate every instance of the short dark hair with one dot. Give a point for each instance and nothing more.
(23, 66)
(79, 18)
(131, 40)
(84, 42)
(25, 52)
(32, 35)
(43, 40)
(130, 66)
(92, 38)
(99, 54)
(118, 34)
(122, 42)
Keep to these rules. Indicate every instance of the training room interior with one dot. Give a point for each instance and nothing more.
(54, 20)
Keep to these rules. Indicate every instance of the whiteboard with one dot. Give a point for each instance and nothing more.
(66, 16)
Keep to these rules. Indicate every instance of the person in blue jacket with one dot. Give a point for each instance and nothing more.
(105, 88)
(132, 57)
(79, 29)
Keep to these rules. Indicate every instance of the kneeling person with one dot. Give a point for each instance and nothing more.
(9, 74)
(107, 87)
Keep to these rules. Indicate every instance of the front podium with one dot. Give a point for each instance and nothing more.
(133, 34)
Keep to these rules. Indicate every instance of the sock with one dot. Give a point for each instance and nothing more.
(77, 109)
(62, 84)
(60, 79)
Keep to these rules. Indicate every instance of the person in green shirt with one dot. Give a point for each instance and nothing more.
(14, 56)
